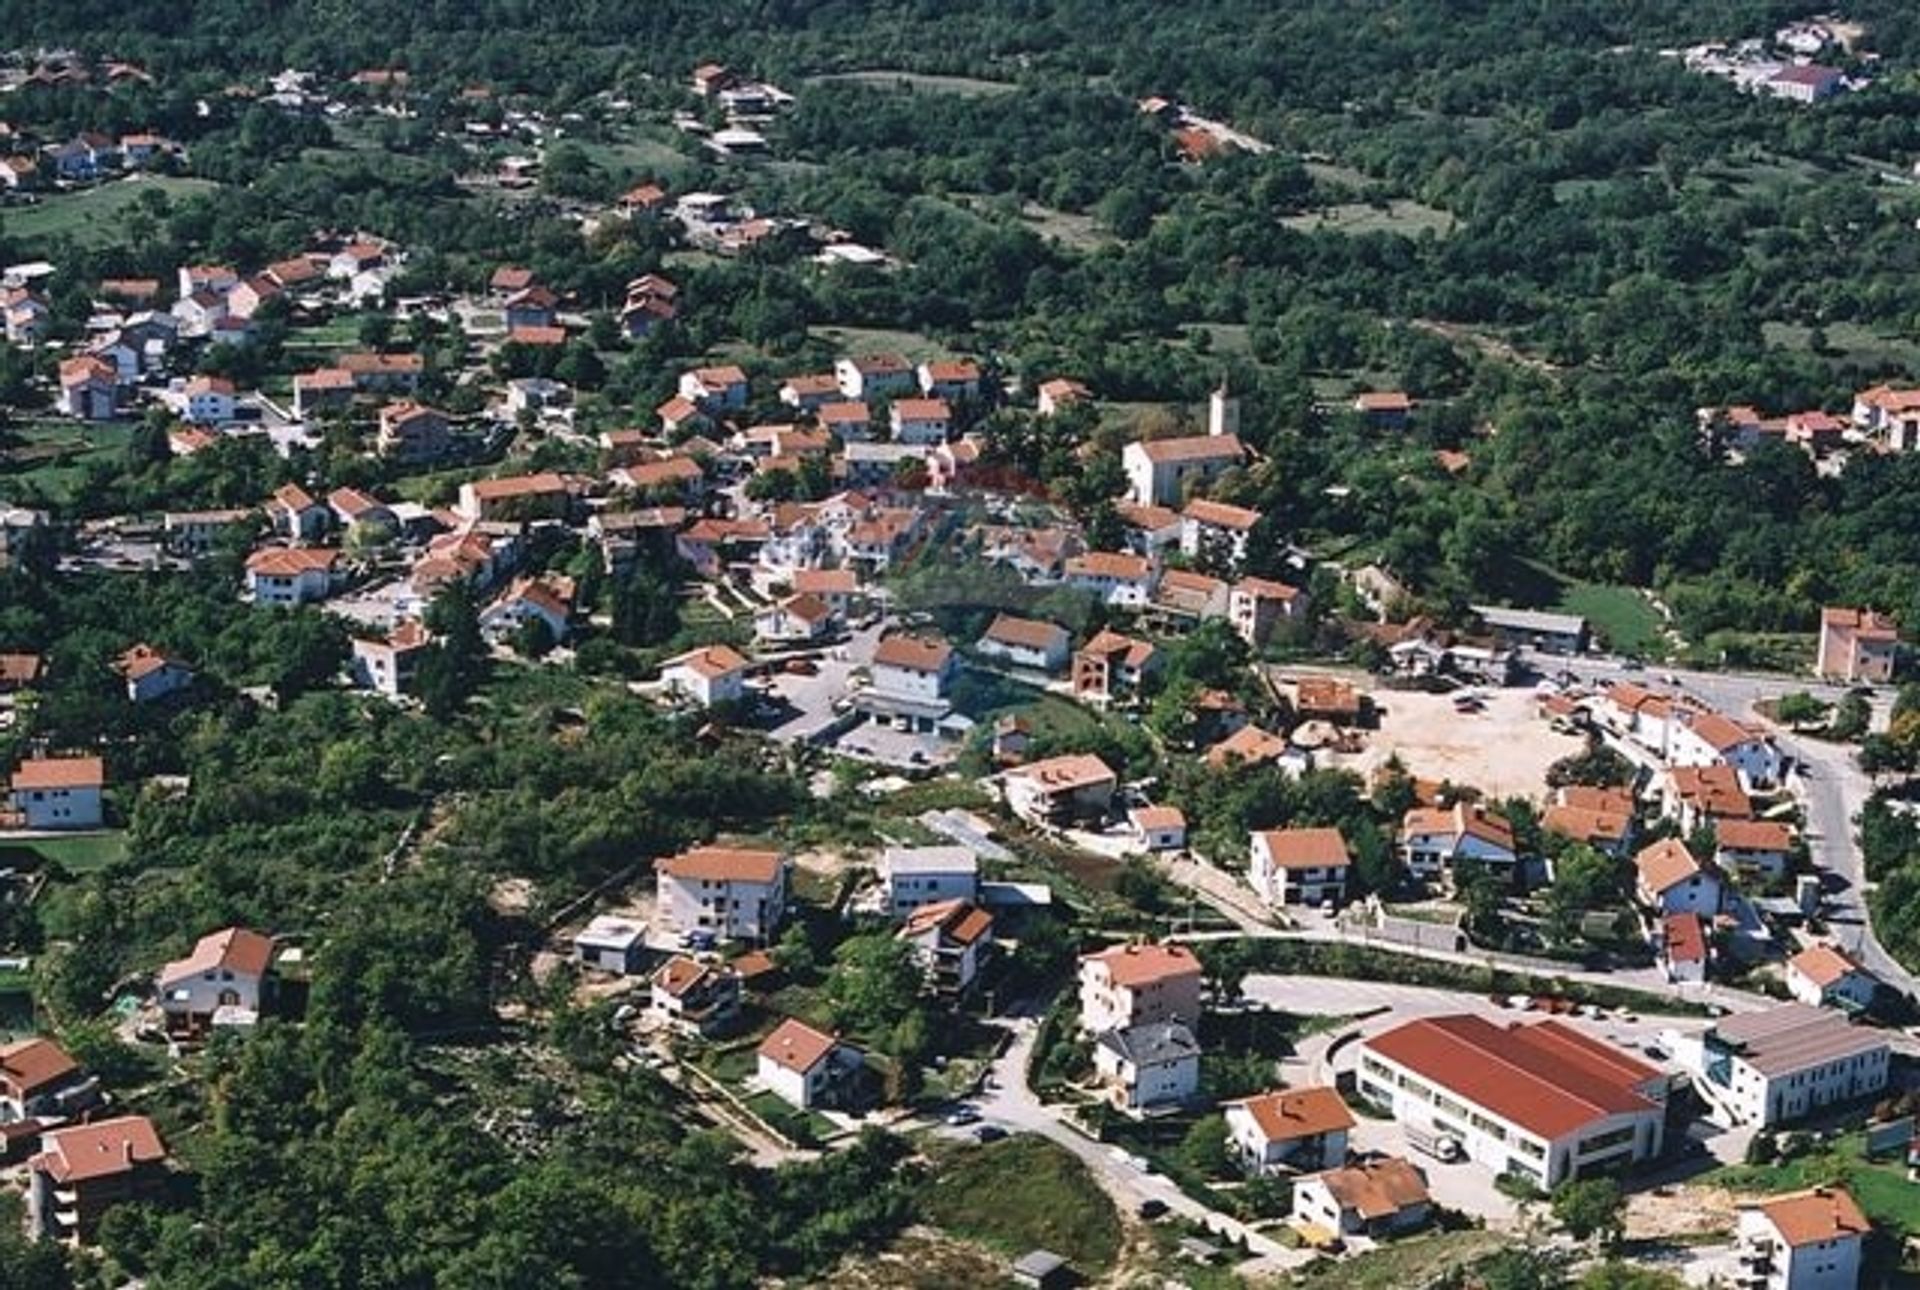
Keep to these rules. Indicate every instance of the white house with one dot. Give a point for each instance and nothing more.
(1160, 471)
(1150, 1067)
(694, 996)
(798, 618)
(39, 1078)
(921, 421)
(803, 1067)
(949, 940)
(1782, 1063)
(1159, 828)
(1120, 580)
(296, 516)
(387, 666)
(710, 675)
(1825, 975)
(913, 667)
(1684, 951)
(1289, 1129)
(1708, 739)
(721, 388)
(1668, 880)
(611, 944)
(60, 792)
(1299, 866)
(1027, 642)
(1059, 789)
(952, 379)
(728, 893)
(548, 600)
(225, 970)
(1135, 984)
(151, 675)
(1433, 840)
(1217, 530)
(209, 400)
(1755, 849)
(917, 876)
(871, 375)
(286, 576)
(1376, 1198)
(1544, 1102)
(1809, 1240)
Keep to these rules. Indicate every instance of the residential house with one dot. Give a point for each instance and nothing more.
(1756, 850)
(413, 433)
(209, 400)
(804, 1067)
(1684, 950)
(1782, 1063)
(388, 666)
(1061, 789)
(838, 587)
(870, 376)
(27, 316)
(1148, 1068)
(950, 939)
(1669, 879)
(1825, 975)
(1300, 866)
(1376, 1198)
(384, 373)
(321, 390)
(1700, 795)
(1384, 409)
(1151, 530)
(715, 389)
(920, 421)
(1544, 1102)
(1160, 472)
(1216, 532)
(1137, 984)
(809, 393)
(711, 675)
(56, 793)
(533, 306)
(1707, 739)
(20, 672)
(679, 478)
(913, 877)
(1289, 1130)
(1159, 828)
(1057, 395)
(693, 996)
(610, 943)
(89, 388)
(1434, 841)
(195, 533)
(1255, 606)
(729, 893)
(915, 667)
(1607, 831)
(1857, 646)
(84, 1170)
(295, 516)
(1111, 666)
(360, 517)
(1026, 642)
(38, 1079)
(287, 576)
(954, 380)
(547, 495)
(1121, 581)
(547, 600)
(1806, 1240)
(794, 620)
(226, 969)
(150, 675)
(1252, 746)
(1190, 596)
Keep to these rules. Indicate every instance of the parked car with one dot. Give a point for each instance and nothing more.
(963, 1116)
(1151, 1208)
(989, 1133)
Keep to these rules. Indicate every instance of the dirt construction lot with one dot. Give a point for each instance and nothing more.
(1504, 749)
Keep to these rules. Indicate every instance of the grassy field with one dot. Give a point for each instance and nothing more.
(1418, 1261)
(918, 82)
(1026, 1193)
(95, 217)
(1880, 1186)
(75, 855)
(877, 340)
(1630, 624)
(59, 472)
(1076, 232)
(1405, 218)
(1847, 342)
(637, 154)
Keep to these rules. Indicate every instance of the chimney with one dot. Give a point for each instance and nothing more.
(1223, 412)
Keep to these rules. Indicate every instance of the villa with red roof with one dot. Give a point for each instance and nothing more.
(1543, 1101)
(226, 969)
(805, 1067)
(1138, 984)
(728, 893)
(59, 792)
(83, 1170)
(1287, 1129)
(1856, 646)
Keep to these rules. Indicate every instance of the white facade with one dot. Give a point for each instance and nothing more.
(285, 590)
(729, 908)
(916, 876)
(1770, 1067)
(1827, 1259)
(77, 807)
(1114, 996)
(911, 682)
(201, 992)
(1168, 1078)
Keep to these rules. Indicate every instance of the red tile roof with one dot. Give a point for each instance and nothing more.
(1134, 965)
(722, 864)
(232, 949)
(1306, 848)
(1289, 1114)
(1547, 1078)
(60, 772)
(29, 1065)
(796, 1046)
(1816, 1216)
(99, 1150)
